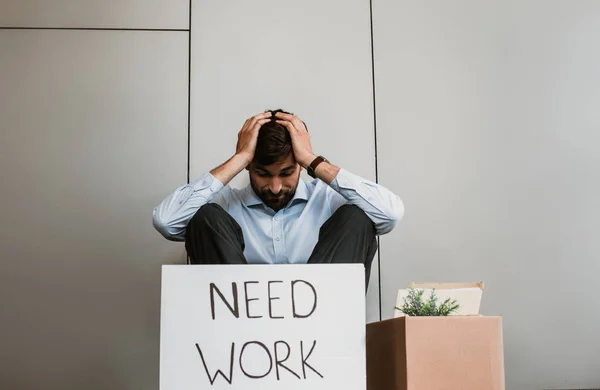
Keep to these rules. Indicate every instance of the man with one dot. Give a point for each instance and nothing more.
(278, 218)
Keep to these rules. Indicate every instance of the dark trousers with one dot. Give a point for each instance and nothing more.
(348, 236)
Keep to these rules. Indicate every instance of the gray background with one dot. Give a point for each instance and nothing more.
(481, 115)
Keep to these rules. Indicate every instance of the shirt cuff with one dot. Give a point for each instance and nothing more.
(207, 182)
(345, 180)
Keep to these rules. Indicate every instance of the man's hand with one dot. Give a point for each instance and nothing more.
(300, 138)
(246, 145)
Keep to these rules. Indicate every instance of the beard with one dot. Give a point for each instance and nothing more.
(275, 202)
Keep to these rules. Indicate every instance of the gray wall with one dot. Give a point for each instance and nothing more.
(488, 125)
(486, 122)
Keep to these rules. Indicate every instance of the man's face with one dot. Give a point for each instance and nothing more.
(275, 184)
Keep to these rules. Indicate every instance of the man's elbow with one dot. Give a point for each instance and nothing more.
(394, 216)
(163, 226)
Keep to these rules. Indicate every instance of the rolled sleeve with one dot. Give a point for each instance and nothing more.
(208, 186)
(382, 206)
(172, 215)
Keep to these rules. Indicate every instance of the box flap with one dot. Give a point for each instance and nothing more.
(468, 295)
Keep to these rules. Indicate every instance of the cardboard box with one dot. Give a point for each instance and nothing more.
(435, 353)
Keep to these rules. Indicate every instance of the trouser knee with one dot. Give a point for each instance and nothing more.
(206, 214)
(352, 211)
(214, 237)
(356, 216)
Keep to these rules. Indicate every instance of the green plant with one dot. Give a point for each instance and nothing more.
(415, 305)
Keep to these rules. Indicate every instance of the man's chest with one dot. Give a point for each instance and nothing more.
(288, 236)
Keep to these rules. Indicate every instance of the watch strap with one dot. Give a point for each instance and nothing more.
(313, 166)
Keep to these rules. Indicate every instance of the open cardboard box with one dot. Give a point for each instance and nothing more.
(459, 352)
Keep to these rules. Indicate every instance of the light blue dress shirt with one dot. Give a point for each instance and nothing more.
(289, 235)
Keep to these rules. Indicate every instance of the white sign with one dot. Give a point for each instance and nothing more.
(263, 327)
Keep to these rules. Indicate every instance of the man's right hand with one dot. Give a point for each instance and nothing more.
(246, 145)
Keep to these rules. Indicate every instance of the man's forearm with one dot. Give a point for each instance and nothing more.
(325, 171)
(230, 168)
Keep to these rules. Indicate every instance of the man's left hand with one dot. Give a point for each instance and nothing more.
(300, 138)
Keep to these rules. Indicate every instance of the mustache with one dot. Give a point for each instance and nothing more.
(279, 195)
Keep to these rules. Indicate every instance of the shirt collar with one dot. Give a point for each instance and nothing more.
(249, 197)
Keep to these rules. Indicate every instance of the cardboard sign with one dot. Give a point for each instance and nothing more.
(263, 327)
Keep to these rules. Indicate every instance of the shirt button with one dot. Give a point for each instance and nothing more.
(277, 218)
(277, 238)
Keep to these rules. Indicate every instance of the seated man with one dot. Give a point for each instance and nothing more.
(278, 218)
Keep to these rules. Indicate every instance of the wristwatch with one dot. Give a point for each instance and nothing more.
(313, 165)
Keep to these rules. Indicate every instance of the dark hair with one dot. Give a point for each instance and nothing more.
(274, 141)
